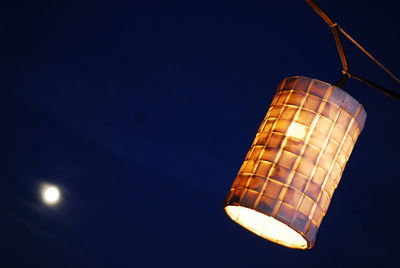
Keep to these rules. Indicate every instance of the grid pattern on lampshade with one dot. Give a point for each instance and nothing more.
(297, 158)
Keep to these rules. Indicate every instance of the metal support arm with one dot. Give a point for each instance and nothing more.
(337, 31)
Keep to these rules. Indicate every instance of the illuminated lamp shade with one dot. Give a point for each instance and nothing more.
(285, 185)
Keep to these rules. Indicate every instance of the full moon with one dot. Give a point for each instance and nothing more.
(51, 195)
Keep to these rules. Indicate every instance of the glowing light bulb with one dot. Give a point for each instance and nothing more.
(51, 195)
(266, 226)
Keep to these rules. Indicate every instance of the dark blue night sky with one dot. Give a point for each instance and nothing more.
(142, 112)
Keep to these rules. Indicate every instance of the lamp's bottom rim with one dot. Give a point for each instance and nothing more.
(266, 227)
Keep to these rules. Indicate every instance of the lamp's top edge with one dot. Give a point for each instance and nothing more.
(338, 95)
(323, 82)
(320, 81)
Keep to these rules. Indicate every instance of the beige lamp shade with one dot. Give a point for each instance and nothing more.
(286, 182)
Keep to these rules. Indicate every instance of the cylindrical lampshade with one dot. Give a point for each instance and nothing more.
(285, 185)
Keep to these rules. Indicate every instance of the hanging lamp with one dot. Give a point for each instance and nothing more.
(285, 184)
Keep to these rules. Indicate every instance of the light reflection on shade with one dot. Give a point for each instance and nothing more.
(296, 130)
